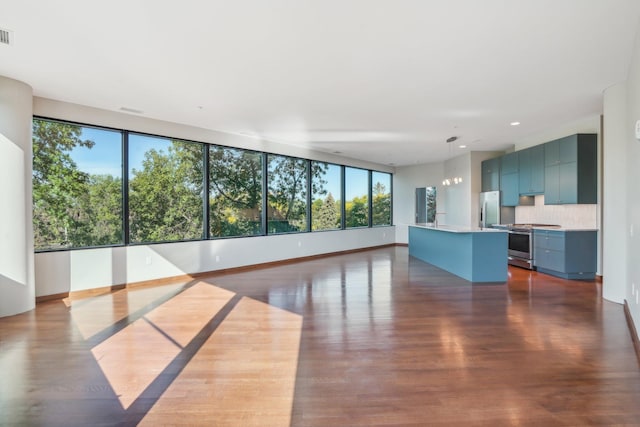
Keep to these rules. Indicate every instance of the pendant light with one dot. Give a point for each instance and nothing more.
(455, 179)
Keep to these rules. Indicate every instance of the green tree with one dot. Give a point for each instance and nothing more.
(288, 192)
(357, 212)
(58, 185)
(165, 197)
(431, 204)
(326, 214)
(381, 205)
(236, 192)
(104, 207)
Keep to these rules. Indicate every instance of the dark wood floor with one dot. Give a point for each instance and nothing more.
(367, 339)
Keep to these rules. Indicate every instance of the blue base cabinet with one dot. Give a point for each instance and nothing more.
(476, 256)
(566, 254)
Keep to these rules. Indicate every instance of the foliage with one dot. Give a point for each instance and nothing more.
(381, 205)
(60, 189)
(235, 197)
(326, 214)
(73, 208)
(357, 212)
(431, 204)
(165, 197)
(287, 194)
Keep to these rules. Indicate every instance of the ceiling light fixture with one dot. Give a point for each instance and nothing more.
(463, 146)
(456, 179)
(514, 123)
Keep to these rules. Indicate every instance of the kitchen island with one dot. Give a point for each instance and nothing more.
(477, 255)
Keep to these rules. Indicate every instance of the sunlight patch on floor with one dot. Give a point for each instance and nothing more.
(134, 357)
(243, 375)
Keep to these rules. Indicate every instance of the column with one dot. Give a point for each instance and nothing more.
(17, 285)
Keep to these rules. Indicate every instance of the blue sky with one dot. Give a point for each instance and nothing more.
(105, 158)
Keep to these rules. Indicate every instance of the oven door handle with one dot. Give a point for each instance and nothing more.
(522, 233)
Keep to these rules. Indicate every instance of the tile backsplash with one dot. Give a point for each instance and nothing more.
(570, 216)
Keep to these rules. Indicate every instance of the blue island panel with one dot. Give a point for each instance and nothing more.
(477, 256)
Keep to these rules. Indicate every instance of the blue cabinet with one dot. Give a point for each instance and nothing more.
(570, 175)
(531, 171)
(566, 254)
(509, 189)
(509, 179)
(509, 163)
(491, 174)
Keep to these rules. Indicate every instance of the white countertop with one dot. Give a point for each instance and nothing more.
(458, 228)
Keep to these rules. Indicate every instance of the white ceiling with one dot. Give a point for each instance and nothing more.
(378, 80)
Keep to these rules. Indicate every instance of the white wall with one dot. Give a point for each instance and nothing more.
(614, 215)
(457, 197)
(405, 182)
(633, 189)
(65, 271)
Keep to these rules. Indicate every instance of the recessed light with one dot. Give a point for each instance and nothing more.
(514, 123)
(463, 146)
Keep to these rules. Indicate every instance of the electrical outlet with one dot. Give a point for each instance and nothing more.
(299, 243)
(217, 258)
(148, 260)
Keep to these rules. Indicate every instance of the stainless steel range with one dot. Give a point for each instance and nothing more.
(521, 244)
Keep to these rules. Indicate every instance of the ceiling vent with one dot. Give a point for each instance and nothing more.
(6, 36)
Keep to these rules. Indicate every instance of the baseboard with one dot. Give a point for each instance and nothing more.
(598, 278)
(632, 329)
(87, 293)
(45, 298)
(186, 277)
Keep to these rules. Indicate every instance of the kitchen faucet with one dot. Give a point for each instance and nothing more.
(435, 218)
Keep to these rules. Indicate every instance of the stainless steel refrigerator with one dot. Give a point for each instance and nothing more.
(491, 212)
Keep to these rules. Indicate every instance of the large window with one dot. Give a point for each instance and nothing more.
(326, 196)
(87, 192)
(381, 198)
(165, 189)
(287, 200)
(357, 199)
(77, 186)
(235, 192)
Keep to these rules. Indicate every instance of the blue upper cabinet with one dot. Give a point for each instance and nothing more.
(571, 170)
(491, 174)
(509, 163)
(509, 179)
(531, 170)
